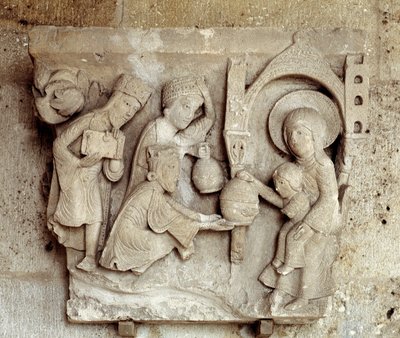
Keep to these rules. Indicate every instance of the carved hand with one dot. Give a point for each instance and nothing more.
(245, 176)
(90, 160)
(117, 133)
(202, 87)
(208, 105)
(204, 150)
(210, 218)
(219, 225)
(303, 230)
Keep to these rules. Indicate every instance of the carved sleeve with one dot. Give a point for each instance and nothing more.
(61, 143)
(297, 208)
(165, 216)
(209, 108)
(323, 214)
(196, 132)
(269, 195)
(292, 208)
(182, 209)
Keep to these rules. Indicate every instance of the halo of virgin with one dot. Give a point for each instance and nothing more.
(303, 99)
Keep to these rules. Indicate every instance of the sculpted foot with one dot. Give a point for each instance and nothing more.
(87, 264)
(276, 263)
(188, 252)
(277, 300)
(297, 304)
(284, 269)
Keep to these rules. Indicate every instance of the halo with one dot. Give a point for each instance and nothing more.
(303, 99)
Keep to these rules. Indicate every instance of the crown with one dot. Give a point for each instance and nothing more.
(132, 86)
(179, 87)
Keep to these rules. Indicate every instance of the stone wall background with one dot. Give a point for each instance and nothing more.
(33, 277)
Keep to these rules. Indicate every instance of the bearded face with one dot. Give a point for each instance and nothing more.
(167, 173)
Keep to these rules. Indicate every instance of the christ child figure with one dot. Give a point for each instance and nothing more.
(288, 181)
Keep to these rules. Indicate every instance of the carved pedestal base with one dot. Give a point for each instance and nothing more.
(127, 329)
(264, 328)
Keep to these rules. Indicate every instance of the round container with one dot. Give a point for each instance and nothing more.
(239, 202)
(207, 175)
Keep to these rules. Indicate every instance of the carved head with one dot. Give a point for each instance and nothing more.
(304, 131)
(123, 104)
(288, 179)
(164, 166)
(181, 98)
(122, 108)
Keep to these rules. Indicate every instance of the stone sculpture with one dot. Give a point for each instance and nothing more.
(207, 174)
(179, 125)
(306, 132)
(80, 201)
(307, 244)
(122, 201)
(151, 224)
(62, 93)
(288, 181)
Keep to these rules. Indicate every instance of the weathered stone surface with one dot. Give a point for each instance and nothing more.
(389, 32)
(293, 14)
(127, 329)
(289, 14)
(67, 13)
(265, 328)
(23, 317)
(14, 57)
(367, 302)
(284, 72)
(21, 198)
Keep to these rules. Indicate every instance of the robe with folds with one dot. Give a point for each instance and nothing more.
(76, 197)
(148, 227)
(314, 280)
(153, 134)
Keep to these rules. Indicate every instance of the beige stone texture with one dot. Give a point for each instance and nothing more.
(61, 12)
(33, 280)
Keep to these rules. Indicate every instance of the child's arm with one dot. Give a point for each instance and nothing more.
(264, 191)
(297, 207)
(269, 195)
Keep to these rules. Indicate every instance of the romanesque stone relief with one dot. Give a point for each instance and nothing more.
(150, 224)
(200, 182)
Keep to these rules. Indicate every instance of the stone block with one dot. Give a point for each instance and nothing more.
(367, 301)
(61, 13)
(231, 13)
(127, 329)
(243, 84)
(389, 32)
(33, 306)
(264, 329)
